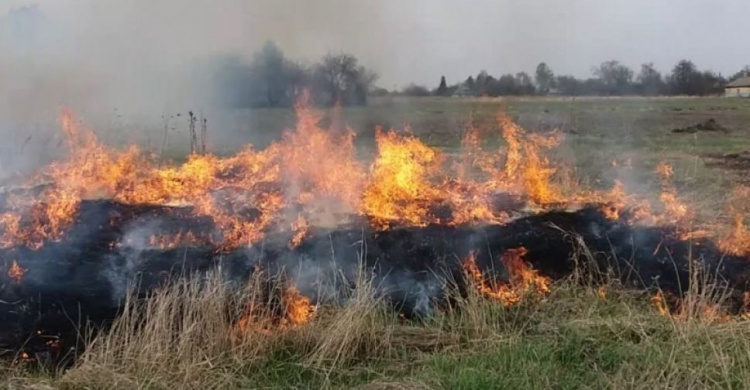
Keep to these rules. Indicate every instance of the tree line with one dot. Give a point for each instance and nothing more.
(610, 78)
(270, 79)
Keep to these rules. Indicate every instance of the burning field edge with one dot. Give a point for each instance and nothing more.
(298, 256)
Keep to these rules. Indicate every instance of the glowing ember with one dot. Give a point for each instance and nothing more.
(658, 302)
(180, 239)
(16, 273)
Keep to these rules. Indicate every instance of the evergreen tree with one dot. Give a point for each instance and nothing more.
(443, 88)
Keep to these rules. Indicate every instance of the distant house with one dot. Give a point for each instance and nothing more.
(739, 87)
(463, 90)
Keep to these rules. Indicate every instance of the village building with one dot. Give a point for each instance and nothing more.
(739, 87)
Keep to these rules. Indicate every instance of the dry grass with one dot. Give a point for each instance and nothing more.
(186, 336)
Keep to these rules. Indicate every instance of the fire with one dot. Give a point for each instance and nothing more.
(299, 227)
(674, 210)
(177, 240)
(687, 307)
(321, 163)
(311, 177)
(400, 189)
(244, 194)
(297, 311)
(738, 240)
(522, 279)
(660, 304)
(15, 272)
(524, 161)
(601, 292)
(521, 276)
(297, 307)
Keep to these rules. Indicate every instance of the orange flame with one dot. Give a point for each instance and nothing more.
(312, 178)
(674, 210)
(400, 189)
(180, 239)
(299, 227)
(298, 310)
(522, 279)
(297, 307)
(660, 304)
(738, 240)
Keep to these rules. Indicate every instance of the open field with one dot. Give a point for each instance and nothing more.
(578, 336)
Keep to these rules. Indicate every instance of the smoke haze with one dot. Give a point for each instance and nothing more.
(144, 57)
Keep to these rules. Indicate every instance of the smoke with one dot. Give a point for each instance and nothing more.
(127, 65)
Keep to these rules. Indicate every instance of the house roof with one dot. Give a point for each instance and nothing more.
(740, 82)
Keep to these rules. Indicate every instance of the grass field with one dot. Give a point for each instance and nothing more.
(576, 337)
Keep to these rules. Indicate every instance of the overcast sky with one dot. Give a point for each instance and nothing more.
(406, 40)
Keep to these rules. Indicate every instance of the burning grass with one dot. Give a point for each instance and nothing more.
(520, 316)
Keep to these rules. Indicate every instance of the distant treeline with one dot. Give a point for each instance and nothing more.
(272, 80)
(611, 78)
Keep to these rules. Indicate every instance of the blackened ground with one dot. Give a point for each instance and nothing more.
(84, 278)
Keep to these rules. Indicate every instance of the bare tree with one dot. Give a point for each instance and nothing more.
(650, 81)
(615, 77)
(339, 79)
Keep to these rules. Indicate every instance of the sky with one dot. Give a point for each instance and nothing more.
(402, 40)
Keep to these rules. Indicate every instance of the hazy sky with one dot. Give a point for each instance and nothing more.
(405, 40)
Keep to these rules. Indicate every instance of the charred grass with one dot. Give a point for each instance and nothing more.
(578, 336)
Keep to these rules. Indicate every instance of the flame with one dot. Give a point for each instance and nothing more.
(659, 303)
(15, 272)
(675, 212)
(297, 311)
(311, 177)
(737, 242)
(601, 292)
(522, 279)
(525, 163)
(299, 227)
(177, 240)
(400, 189)
(321, 162)
(521, 275)
(243, 194)
(297, 307)
(684, 308)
